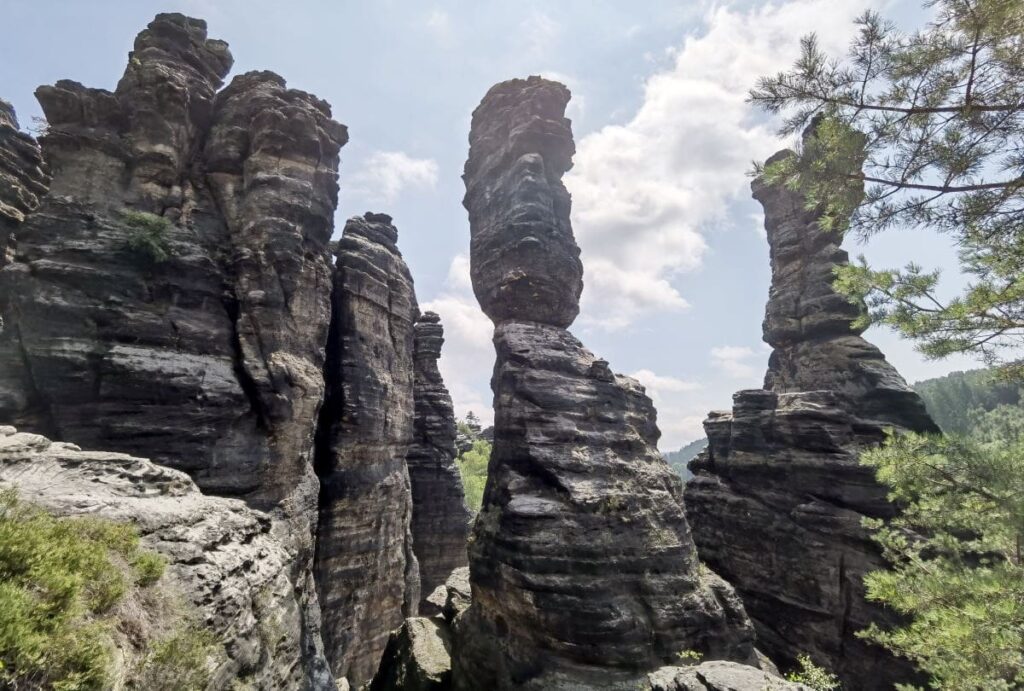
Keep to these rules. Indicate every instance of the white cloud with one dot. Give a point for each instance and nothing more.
(734, 361)
(646, 192)
(539, 31)
(386, 174)
(656, 383)
(439, 24)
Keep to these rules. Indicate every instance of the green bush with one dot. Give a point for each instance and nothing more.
(147, 235)
(473, 469)
(809, 674)
(59, 579)
(179, 662)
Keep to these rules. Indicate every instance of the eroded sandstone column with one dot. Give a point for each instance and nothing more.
(583, 571)
(24, 177)
(440, 519)
(778, 498)
(169, 297)
(366, 572)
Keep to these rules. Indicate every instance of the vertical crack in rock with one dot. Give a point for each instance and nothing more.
(582, 567)
(24, 177)
(366, 574)
(170, 296)
(440, 519)
(778, 497)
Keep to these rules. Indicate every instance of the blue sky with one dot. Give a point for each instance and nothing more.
(675, 260)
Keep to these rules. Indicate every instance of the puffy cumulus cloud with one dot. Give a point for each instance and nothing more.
(735, 361)
(657, 384)
(645, 192)
(467, 357)
(384, 175)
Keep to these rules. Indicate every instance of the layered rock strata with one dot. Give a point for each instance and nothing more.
(366, 570)
(170, 296)
(582, 568)
(778, 498)
(24, 177)
(227, 563)
(440, 519)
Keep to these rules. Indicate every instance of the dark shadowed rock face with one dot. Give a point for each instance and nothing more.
(525, 260)
(366, 571)
(210, 360)
(24, 177)
(778, 498)
(583, 571)
(169, 297)
(440, 519)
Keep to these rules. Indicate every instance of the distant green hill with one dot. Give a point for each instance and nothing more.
(960, 402)
(679, 459)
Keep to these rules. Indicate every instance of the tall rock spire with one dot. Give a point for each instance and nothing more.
(582, 566)
(779, 495)
(440, 519)
(366, 572)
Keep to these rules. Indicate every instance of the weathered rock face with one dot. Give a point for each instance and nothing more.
(366, 570)
(170, 297)
(778, 497)
(24, 177)
(95, 322)
(228, 562)
(526, 263)
(440, 519)
(583, 571)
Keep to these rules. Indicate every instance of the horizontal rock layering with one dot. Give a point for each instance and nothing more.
(230, 563)
(779, 495)
(582, 568)
(170, 296)
(365, 567)
(440, 519)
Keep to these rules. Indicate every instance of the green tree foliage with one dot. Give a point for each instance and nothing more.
(679, 458)
(147, 235)
(473, 469)
(813, 676)
(921, 130)
(178, 662)
(59, 580)
(960, 401)
(956, 554)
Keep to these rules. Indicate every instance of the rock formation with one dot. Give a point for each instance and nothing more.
(24, 177)
(170, 296)
(583, 571)
(365, 564)
(778, 497)
(227, 562)
(418, 658)
(440, 519)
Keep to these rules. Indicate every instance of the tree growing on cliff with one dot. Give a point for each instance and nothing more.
(938, 117)
(956, 551)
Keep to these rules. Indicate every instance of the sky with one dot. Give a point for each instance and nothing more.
(676, 270)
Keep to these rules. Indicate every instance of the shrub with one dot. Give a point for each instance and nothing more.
(59, 579)
(179, 662)
(147, 234)
(473, 469)
(810, 674)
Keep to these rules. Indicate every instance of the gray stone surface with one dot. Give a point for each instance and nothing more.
(779, 495)
(231, 563)
(440, 519)
(719, 676)
(582, 568)
(24, 177)
(526, 263)
(417, 658)
(366, 571)
(207, 360)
